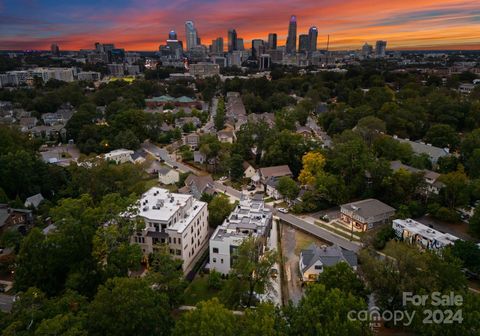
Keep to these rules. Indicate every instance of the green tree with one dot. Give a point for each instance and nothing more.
(288, 188)
(474, 222)
(250, 272)
(125, 306)
(468, 252)
(370, 127)
(126, 139)
(455, 191)
(210, 318)
(324, 312)
(166, 275)
(442, 135)
(219, 118)
(265, 320)
(408, 270)
(236, 167)
(219, 209)
(343, 277)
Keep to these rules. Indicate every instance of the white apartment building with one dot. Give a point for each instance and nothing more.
(88, 76)
(416, 233)
(249, 219)
(178, 220)
(62, 74)
(17, 78)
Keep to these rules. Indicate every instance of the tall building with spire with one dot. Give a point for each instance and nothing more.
(232, 40)
(312, 39)
(190, 35)
(292, 35)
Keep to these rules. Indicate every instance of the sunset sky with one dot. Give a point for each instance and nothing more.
(144, 25)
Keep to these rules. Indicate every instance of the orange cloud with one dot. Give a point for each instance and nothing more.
(405, 24)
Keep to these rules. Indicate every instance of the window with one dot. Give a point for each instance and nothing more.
(179, 252)
(318, 267)
(172, 251)
(214, 259)
(221, 261)
(179, 240)
(174, 240)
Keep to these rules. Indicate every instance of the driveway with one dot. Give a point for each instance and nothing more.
(456, 229)
(292, 280)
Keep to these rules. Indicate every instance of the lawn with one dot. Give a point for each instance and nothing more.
(303, 240)
(198, 291)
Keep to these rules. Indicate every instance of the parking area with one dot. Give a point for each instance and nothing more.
(332, 213)
(457, 229)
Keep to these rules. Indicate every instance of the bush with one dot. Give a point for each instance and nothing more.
(214, 280)
(383, 236)
(447, 215)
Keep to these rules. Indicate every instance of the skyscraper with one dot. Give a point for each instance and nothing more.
(312, 39)
(380, 49)
(172, 35)
(217, 45)
(232, 40)
(367, 50)
(240, 45)
(303, 43)
(258, 47)
(292, 35)
(190, 34)
(272, 41)
(55, 49)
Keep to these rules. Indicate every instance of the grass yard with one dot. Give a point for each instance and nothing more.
(198, 291)
(338, 231)
(303, 240)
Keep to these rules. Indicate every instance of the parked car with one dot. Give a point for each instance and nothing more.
(274, 273)
(283, 210)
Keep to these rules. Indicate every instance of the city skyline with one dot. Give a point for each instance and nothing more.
(143, 26)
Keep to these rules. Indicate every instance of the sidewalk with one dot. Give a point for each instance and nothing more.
(333, 227)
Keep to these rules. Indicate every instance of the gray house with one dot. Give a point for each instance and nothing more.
(314, 259)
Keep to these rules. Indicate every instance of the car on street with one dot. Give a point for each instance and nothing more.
(283, 210)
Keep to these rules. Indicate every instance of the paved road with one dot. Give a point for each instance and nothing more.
(318, 232)
(299, 223)
(234, 193)
(6, 302)
(162, 153)
(209, 127)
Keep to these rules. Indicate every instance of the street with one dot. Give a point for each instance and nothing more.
(233, 193)
(162, 154)
(318, 232)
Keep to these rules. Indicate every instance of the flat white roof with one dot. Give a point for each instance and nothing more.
(425, 231)
(160, 205)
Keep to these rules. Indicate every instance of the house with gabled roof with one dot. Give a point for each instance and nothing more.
(167, 175)
(314, 259)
